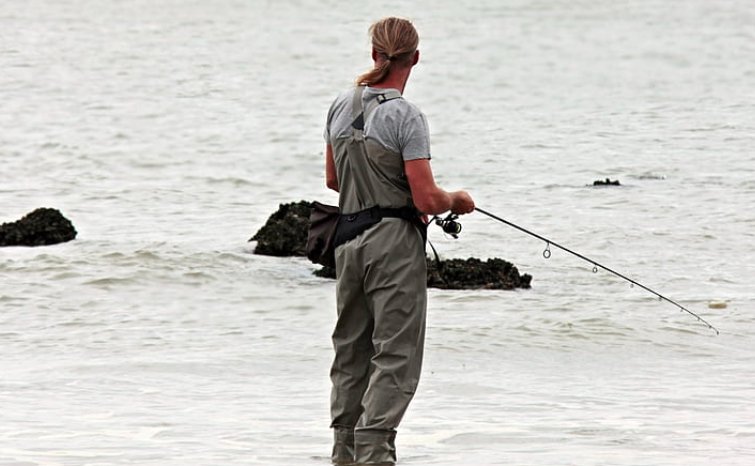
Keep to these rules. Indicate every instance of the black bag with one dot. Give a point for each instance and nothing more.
(323, 220)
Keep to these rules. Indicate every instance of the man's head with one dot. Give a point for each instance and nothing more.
(394, 44)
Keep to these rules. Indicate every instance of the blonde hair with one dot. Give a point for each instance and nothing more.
(396, 40)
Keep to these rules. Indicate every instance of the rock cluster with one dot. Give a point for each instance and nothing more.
(40, 227)
(285, 234)
(606, 182)
(493, 274)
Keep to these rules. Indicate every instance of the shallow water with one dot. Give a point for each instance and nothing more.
(169, 132)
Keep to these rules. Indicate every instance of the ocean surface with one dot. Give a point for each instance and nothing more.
(169, 131)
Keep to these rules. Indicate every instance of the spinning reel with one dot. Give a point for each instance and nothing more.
(449, 225)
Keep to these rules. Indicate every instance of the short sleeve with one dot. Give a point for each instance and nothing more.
(326, 131)
(414, 138)
(338, 116)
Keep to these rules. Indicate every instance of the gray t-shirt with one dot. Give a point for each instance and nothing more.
(397, 125)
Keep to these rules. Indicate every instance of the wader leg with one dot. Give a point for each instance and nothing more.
(343, 446)
(375, 447)
(396, 285)
(353, 350)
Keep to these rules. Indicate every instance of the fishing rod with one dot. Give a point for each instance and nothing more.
(452, 227)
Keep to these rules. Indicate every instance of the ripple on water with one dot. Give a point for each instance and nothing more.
(108, 282)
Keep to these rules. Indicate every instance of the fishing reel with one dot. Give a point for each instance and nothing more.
(449, 225)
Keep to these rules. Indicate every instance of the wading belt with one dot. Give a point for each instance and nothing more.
(352, 225)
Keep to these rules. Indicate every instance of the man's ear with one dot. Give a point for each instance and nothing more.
(415, 59)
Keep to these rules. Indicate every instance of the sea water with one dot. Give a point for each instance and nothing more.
(169, 131)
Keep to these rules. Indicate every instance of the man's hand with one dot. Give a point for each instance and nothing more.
(461, 202)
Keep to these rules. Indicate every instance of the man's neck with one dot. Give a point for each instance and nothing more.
(395, 80)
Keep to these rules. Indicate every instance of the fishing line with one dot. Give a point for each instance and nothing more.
(547, 254)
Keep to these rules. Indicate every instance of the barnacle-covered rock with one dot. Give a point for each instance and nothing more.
(606, 182)
(285, 232)
(472, 273)
(41, 227)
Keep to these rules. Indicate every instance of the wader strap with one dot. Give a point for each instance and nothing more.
(359, 113)
(390, 94)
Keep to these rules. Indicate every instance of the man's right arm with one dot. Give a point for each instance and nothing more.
(428, 197)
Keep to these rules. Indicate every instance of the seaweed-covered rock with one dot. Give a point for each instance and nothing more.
(465, 274)
(472, 273)
(41, 227)
(606, 182)
(285, 232)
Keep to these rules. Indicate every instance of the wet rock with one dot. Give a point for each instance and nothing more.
(41, 227)
(285, 232)
(606, 182)
(465, 274)
(472, 273)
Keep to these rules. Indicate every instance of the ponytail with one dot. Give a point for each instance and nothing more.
(375, 75)
(395, 40)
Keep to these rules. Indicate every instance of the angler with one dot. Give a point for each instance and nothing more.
(378, 159)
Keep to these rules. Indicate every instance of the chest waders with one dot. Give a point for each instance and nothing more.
(381, 297)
